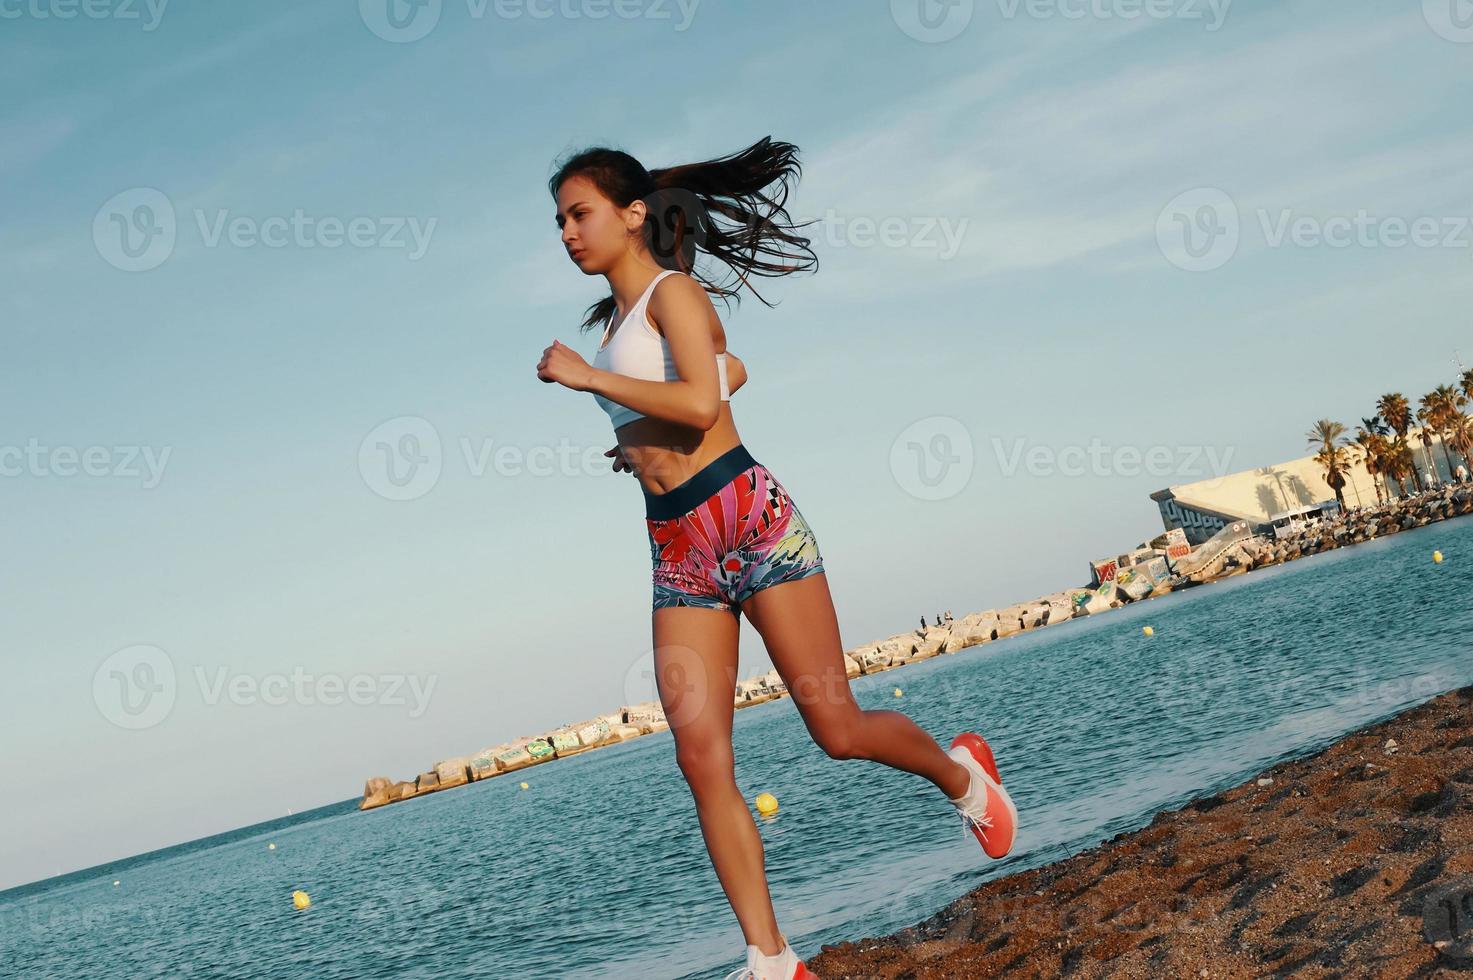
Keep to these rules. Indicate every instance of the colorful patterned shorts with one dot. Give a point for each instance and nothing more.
(725, 533)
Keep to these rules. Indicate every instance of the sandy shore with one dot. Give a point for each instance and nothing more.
(1325, 871)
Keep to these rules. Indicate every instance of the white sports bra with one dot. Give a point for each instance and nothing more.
(636, 351)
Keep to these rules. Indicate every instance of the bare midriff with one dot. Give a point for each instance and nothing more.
(665, 454)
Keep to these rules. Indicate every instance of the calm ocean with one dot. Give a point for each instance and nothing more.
(598, 870)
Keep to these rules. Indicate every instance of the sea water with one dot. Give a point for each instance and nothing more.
(599, 869)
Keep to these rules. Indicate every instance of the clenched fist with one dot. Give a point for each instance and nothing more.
(564, 365)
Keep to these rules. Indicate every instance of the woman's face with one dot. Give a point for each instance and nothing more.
(594, 231)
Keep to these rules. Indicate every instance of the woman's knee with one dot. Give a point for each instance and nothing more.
(839, 735)
(704, 761)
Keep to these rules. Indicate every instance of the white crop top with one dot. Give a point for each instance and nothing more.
(636, 351)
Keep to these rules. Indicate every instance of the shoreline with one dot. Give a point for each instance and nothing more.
(1231, 552)
(1339, 861)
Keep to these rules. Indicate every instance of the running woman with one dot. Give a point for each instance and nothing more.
(725, 535)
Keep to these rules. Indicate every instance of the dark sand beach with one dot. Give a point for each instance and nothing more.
(1329, 870)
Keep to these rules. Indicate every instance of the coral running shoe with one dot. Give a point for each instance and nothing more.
(783, 966)
(986, 808)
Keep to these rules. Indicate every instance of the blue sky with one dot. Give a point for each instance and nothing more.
(231, 394)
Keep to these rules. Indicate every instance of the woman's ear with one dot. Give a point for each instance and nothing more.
(635, 213)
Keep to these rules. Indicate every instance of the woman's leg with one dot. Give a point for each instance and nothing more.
(801, 632)
(695, 670)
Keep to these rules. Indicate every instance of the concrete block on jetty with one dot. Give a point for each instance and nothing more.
(482, 765)
(595, 733)
(896, 650)
(1060, 608)
(932, 641)
(375, 793)
(1030, 615)
(565, 742)
(402, 790)
(520, 754)
(648, 716)
(427, 782)
(1088, 602)
(970, 630)
(452, 772)
(754, 690)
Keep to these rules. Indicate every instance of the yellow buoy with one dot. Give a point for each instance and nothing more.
(1437, 556)
(524, 786)
(898, 692)
(766, 803)
(1148, 631)
(300, 899)
(270, 847)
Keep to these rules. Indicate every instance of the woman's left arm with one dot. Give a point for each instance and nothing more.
(736, 372)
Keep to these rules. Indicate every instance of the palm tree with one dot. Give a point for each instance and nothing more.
(1370, 440)
(1465, 381)
(1394, 409)
(1442, 407)
(1398, 464)
(1332, 454)
(1461, 433)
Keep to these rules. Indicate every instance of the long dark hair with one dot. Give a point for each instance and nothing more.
(683, 203)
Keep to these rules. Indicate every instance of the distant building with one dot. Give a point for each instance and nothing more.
(1269, 494)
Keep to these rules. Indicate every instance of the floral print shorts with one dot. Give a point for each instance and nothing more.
(726, 533)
